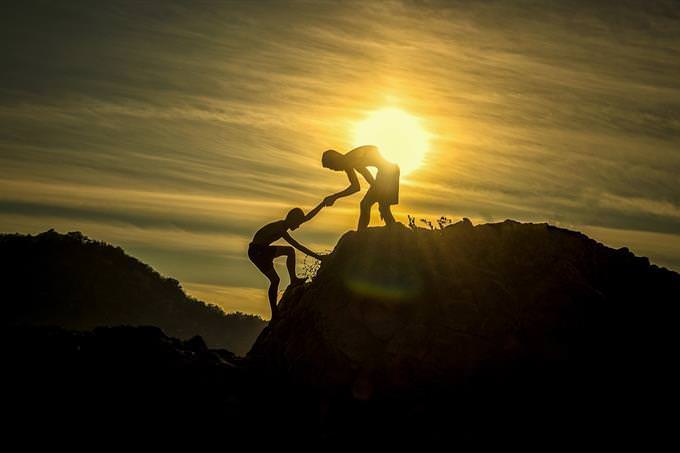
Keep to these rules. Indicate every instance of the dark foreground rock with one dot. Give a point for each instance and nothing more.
(503, 325)
(116, 383)
(113, 371)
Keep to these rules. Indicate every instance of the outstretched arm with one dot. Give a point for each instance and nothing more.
(354, 187)
(287, 237)
(310, 215)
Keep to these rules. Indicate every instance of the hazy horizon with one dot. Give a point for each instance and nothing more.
(177, 129)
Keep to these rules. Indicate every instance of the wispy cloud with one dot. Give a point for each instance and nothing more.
(177, 130)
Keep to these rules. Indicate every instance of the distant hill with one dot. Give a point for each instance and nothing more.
(71, 281)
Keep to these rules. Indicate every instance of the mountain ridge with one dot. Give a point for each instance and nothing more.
(72, 281)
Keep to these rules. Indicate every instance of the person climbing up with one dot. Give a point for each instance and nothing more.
(262, 253)
(384, 188)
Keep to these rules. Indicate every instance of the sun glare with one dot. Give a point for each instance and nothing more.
(399, 136)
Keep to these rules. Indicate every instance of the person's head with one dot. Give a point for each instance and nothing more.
(333, 160)
(295, 218)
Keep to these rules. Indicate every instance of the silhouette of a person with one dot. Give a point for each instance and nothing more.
(384, 188)
(262, 253)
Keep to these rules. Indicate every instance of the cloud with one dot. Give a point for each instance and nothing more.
(641, 205)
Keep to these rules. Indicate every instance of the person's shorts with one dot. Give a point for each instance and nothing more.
(385, 190)
(262, 256)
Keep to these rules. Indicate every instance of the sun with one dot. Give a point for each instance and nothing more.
(397, 134)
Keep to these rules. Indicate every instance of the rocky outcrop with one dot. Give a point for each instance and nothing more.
(497, 309)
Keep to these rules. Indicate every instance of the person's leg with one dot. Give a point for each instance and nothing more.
(289, 253)
(273, 292)
(365, 210)
(386, 213)
(263, 257)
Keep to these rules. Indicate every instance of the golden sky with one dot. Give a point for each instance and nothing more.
(177, 129)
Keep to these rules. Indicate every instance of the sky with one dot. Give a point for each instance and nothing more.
(177, 129)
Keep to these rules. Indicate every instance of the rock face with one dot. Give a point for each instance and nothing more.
(496, 309)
